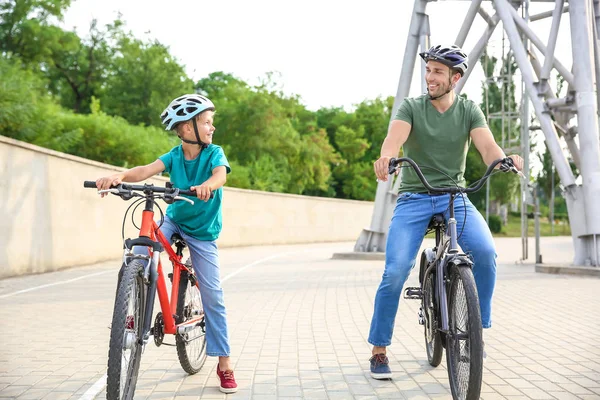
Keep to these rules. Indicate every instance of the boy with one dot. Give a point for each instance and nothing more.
(199, 165)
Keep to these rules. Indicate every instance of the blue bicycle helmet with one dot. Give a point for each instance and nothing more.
(452, 56)
(184, 108)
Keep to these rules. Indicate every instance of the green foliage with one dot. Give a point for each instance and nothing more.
(495, 223)
(32, 116)
(143, 80)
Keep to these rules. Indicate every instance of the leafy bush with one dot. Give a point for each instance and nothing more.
(495, 223)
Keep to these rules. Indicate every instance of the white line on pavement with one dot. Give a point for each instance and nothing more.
(97, 387)
(53, 284)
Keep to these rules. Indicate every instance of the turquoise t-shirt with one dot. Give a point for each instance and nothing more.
(203, 220)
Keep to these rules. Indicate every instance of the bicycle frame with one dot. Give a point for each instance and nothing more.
(446, 254)
(151, 236)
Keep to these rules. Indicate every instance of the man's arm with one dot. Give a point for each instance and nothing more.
(489, 149)
(396, 137)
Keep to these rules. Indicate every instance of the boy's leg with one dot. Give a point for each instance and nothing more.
(205, 260)
(476, 240)
(407, 229)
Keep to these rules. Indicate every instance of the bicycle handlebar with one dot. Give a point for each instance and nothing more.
(125, 191)
(507, 165)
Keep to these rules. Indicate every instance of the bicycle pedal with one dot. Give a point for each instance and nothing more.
(413, 293)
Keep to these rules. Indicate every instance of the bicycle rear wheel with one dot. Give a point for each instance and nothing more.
(191, 346)
(125, 348)
(433, 342)
(464, 351)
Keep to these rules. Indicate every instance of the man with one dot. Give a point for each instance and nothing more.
(435, 130)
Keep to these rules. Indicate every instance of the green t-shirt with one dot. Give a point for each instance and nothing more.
(203, 220)
(437, 140)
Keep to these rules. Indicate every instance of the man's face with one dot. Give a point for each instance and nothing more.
(437, 77)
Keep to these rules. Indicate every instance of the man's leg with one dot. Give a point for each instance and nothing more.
(476, 240)
(407, 228)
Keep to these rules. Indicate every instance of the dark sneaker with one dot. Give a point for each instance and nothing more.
(380, 367)
(228, 384)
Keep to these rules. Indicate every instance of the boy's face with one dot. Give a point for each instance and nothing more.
(204, 122)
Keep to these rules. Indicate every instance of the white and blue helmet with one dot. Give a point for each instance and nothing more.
(185, 108)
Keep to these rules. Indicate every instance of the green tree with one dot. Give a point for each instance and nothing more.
(74, 67)
(26, 28)
(143, 79)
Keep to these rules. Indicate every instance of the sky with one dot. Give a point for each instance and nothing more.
(331, 53)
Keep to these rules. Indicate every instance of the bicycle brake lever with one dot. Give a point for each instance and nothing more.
(184, 198)
(114, 191)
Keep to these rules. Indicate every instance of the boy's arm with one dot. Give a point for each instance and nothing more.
(217, 180)
(135, 174)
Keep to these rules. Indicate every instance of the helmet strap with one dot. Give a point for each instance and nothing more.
(198, 141)
(450, 88)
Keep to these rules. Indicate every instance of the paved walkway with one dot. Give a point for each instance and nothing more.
(298, 324)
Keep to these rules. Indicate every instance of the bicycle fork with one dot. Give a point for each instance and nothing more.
(150, 276)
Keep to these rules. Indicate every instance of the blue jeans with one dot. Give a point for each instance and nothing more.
(408, 226)
(205, 259)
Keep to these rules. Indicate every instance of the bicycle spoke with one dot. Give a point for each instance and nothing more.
(191, 346)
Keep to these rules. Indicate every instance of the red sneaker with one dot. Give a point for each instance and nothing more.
(228, 384)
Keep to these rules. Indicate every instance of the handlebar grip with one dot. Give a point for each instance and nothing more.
(392, 165)
(90, 184)
(193, 193)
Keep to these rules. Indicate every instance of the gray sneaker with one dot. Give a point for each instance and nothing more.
(380, 367)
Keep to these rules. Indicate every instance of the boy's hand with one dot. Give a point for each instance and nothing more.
(108, 181)
(202, 192)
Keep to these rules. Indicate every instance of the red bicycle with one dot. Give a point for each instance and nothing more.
(140, 277)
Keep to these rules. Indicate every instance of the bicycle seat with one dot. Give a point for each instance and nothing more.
(178, 240)
(437, 221)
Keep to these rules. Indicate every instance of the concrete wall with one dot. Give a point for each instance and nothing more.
(49, 221)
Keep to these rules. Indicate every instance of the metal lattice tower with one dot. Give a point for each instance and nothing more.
(554, 114)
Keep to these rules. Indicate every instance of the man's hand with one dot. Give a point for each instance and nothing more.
(202, 191)
(518, 161)
(381, 168)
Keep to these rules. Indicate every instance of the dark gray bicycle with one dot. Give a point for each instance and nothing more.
(449, 302)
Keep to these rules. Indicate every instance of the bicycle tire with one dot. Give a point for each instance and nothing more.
(191, 346)
(464, 353)
(433, 341)
(126, 333)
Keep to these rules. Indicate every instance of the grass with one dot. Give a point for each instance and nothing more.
(513, 228)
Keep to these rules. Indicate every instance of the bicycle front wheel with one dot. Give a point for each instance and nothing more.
(191, 346)
(464, 351)
(125, 348)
